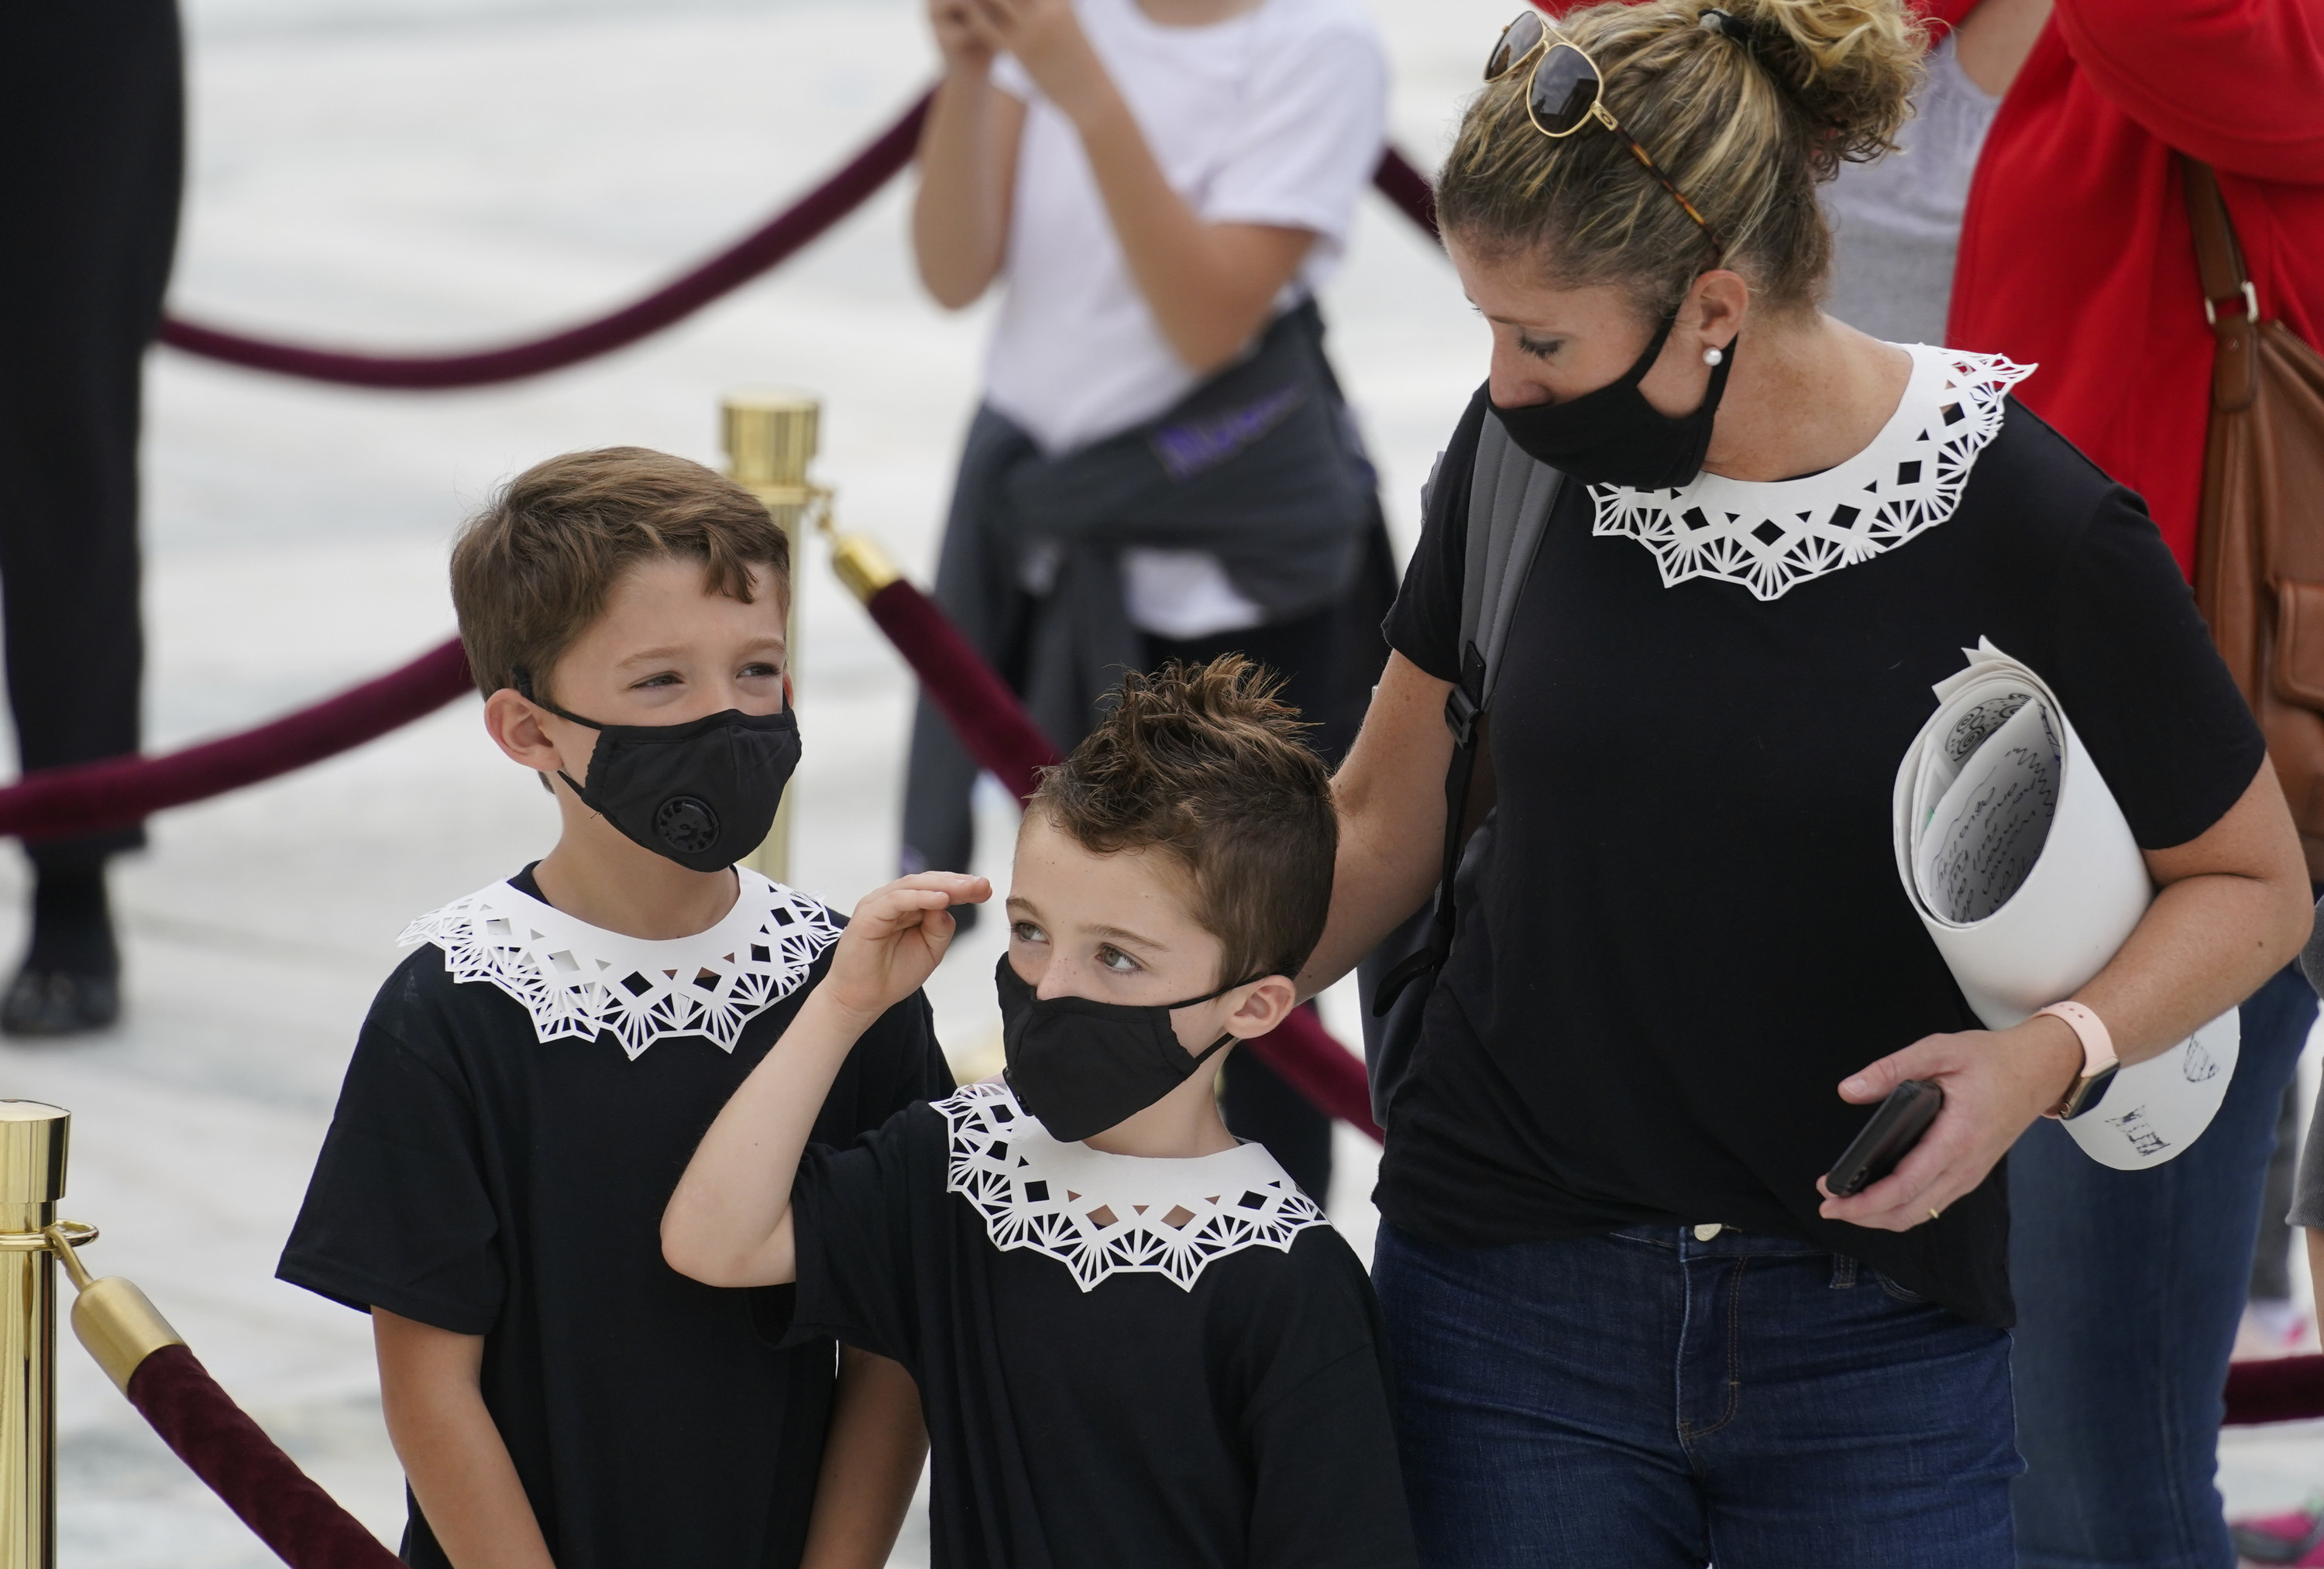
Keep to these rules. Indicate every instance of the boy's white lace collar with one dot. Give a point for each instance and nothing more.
(1102, 1214)
(1771, 537)
(578, 980)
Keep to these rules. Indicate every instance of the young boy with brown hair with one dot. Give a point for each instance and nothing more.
(1137, 1341)
(528, 1084)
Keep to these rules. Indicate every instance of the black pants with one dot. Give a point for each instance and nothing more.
(91, 163)
(1328, 661)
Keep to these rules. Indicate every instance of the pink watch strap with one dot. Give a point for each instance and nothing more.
(2097, 1045)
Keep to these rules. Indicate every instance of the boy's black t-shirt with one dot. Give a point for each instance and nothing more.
(485, 1181)
(1083, 1410)
(1691, 928)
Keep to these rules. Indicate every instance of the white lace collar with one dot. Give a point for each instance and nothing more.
(1102, 1214)
(578, 980)
(1770, 538)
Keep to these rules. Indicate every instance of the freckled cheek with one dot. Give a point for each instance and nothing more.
(1030, 960)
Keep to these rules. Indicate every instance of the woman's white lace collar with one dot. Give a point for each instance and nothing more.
(1102, 1214)
(578, 980)
(1771, 537)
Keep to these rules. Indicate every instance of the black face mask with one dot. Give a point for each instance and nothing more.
(1614, 437)
(703, 794)
(1081, 1066)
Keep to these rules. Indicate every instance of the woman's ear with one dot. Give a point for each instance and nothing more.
(1715, 308)
(1267, 1005)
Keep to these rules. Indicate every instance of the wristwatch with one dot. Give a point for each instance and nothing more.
(2099, 1064)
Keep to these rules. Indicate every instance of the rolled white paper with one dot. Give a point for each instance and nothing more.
(2019, 862)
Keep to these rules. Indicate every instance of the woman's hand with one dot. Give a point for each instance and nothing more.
(2232, 909)
(895, 940)
(1996, 1083)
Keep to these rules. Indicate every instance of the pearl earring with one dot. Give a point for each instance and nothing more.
(1713, 356)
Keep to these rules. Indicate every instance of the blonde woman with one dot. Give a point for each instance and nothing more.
(1630, 1323)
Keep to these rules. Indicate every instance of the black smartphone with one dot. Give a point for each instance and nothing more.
(1895, 1128)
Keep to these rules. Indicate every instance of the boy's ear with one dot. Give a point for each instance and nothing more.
(516, 730)
(1265, 1004)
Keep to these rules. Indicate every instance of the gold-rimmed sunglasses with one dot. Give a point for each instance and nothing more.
(1567, 93)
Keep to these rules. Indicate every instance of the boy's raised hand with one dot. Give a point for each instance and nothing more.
(895, 939)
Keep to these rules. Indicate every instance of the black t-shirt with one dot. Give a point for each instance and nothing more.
(480, 1179)
(1127, 1421)
(1691, 927)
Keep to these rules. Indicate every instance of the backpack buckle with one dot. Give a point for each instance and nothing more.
(1460, 711)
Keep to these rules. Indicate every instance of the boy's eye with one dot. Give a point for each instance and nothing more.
(1026, 932)
(1114, 960)
(758, 668)
(665, 678)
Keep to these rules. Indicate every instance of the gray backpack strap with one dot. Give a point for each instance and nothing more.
(1510, 496)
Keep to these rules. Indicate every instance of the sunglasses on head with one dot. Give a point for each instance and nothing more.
(1567, 93)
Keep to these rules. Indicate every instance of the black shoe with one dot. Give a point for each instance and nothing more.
(70, 983)
(52, 1003)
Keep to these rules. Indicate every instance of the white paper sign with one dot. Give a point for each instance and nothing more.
(2020, 864)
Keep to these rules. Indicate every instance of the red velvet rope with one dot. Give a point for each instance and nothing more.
(773, 243)
(998, 732)
(1310, 1060)
(969, 692)
(1407, 188)
(2284, 1389)
(280, 1504)
(90, 796)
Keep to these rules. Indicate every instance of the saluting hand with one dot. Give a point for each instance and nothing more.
(895, 939)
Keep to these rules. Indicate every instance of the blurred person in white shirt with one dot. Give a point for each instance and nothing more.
(1163, 467)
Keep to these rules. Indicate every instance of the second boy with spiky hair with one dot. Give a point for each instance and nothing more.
(1137, 1341)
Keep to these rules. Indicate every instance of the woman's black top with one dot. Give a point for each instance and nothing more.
(1692, 928)
(1086, 1406)
(483, 1180)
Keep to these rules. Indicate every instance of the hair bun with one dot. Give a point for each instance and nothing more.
(1849, 67)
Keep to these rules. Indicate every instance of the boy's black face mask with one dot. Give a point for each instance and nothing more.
(1081, 1066)
(702, 793)
(1614, 437)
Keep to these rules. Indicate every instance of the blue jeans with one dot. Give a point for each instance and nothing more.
(1656, 1402)
(2129, 1287)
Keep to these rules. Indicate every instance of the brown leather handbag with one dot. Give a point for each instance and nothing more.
(2259, 555)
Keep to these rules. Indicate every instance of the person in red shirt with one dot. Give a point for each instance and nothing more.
(2076, 253)
(2076, 250)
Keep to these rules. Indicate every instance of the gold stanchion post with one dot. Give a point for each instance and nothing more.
(32, 1139)
(771, 439)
